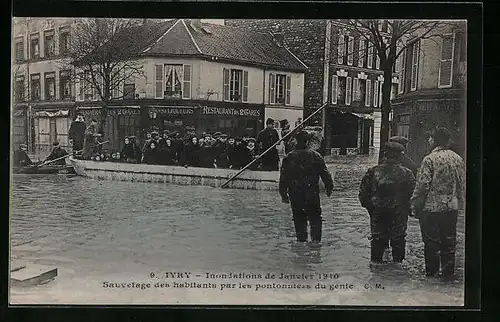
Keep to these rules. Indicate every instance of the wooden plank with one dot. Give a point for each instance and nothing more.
(33, 275)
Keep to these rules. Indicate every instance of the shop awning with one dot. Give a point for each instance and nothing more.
(51, 114)
(364, 116)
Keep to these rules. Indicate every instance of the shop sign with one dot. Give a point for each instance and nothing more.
(230, 111)
(173, 110)
(111, 112)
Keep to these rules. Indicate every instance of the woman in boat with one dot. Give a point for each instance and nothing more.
(220, 151)
(239, 153)
(192, 153)
(169, 156)
(151, 155)
(128, 153)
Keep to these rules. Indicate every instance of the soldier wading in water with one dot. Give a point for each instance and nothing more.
(299, 179)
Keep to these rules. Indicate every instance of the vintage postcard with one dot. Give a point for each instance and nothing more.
(238, 161)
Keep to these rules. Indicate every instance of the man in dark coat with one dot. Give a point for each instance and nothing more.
(21, 158)
(76, 133)
(288, 141)
(221, 156)
(405, 159)
(385, 192)
(56, 153)
(265, 139)
(299, 185)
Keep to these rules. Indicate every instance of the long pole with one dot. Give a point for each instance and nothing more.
(275, 144)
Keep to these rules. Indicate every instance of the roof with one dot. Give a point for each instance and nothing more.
(179, 38)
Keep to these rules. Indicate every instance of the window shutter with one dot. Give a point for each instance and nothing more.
(335, 84)
(341, 49)
(245, 86)
(348, 91)
(272, 88)
(381, 86)
(446, 64)
(377, 60)
(355, 89)
(361, 55)
(375, 93)
(158, 81)
(186, 89)
(369, 56)
(397, 65)
(226, 84)
(402, 76)
(368, 92)
(288, 87)
(414, 65)
(350, 50)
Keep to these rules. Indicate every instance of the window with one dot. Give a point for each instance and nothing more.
(446, 64)
(49, 44)
(335, 85)
(350, 50)
(362, 91)
(362, 52)
(348, 91)
(19, 94)
(341, 49)
(380, 93)
(64, 40)
(35, 87)
(341, 90)
(19, 49)
(173, 81)
(355, 91)
(50, 86)
(279, 89)
(377, 59)
(129, 91)
(34, 46)
(368, 93)
(65, 84)
(404, 130)
(402, 76)
(369, 56)
(415, 50)
(375, 93)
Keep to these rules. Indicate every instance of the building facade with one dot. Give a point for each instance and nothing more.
(344, 72)
(433, 90)
(43, 92)
(192, 78)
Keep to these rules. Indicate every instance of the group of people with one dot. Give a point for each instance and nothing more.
(391, 191)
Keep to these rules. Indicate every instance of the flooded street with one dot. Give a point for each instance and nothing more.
(96, 231)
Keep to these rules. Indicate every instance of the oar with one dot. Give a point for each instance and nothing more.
(274, 145)
(64, 156)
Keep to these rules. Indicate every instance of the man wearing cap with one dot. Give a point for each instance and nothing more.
(405, 159)
(385, 192)
(57, 152)
(299, 185)
(76, 133)
(21, 158)
(438, 195)
(265, 139)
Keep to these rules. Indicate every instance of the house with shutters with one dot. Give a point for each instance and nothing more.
(211, 77)
(43, 93)
(433, 90)
(344, 73)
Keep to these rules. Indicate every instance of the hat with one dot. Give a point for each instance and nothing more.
(223, 135)
(269, 121)
(154, 133)
(55, 143)
(399, 139)
(394, 147)
(23, 145)
(251, 140)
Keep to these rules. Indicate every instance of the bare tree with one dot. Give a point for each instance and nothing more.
(389, 45)
(104, 54)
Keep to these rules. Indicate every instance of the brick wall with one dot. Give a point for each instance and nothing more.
(306, 39)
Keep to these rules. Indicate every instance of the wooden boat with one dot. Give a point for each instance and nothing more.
(253, 180)
(45, 169)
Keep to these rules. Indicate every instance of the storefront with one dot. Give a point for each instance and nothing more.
(51, 126)
(121, 121)
(234, 120)
(19, 128)
(351, 133)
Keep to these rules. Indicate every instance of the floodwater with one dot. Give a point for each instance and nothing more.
(102, 232)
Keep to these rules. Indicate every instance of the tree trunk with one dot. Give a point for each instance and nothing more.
(386, 109)
(104, 116)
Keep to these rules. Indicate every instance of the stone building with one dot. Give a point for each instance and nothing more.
(43, 93)
(344, 72)
(433, 90)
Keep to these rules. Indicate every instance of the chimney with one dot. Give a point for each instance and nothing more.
(196, 24)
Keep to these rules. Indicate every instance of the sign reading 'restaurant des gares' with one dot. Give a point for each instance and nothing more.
(230, 111)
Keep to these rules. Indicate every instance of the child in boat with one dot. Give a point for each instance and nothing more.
(192, 153)
(21, 158)
(57, 153)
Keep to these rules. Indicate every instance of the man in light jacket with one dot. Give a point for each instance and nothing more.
(438, 195)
